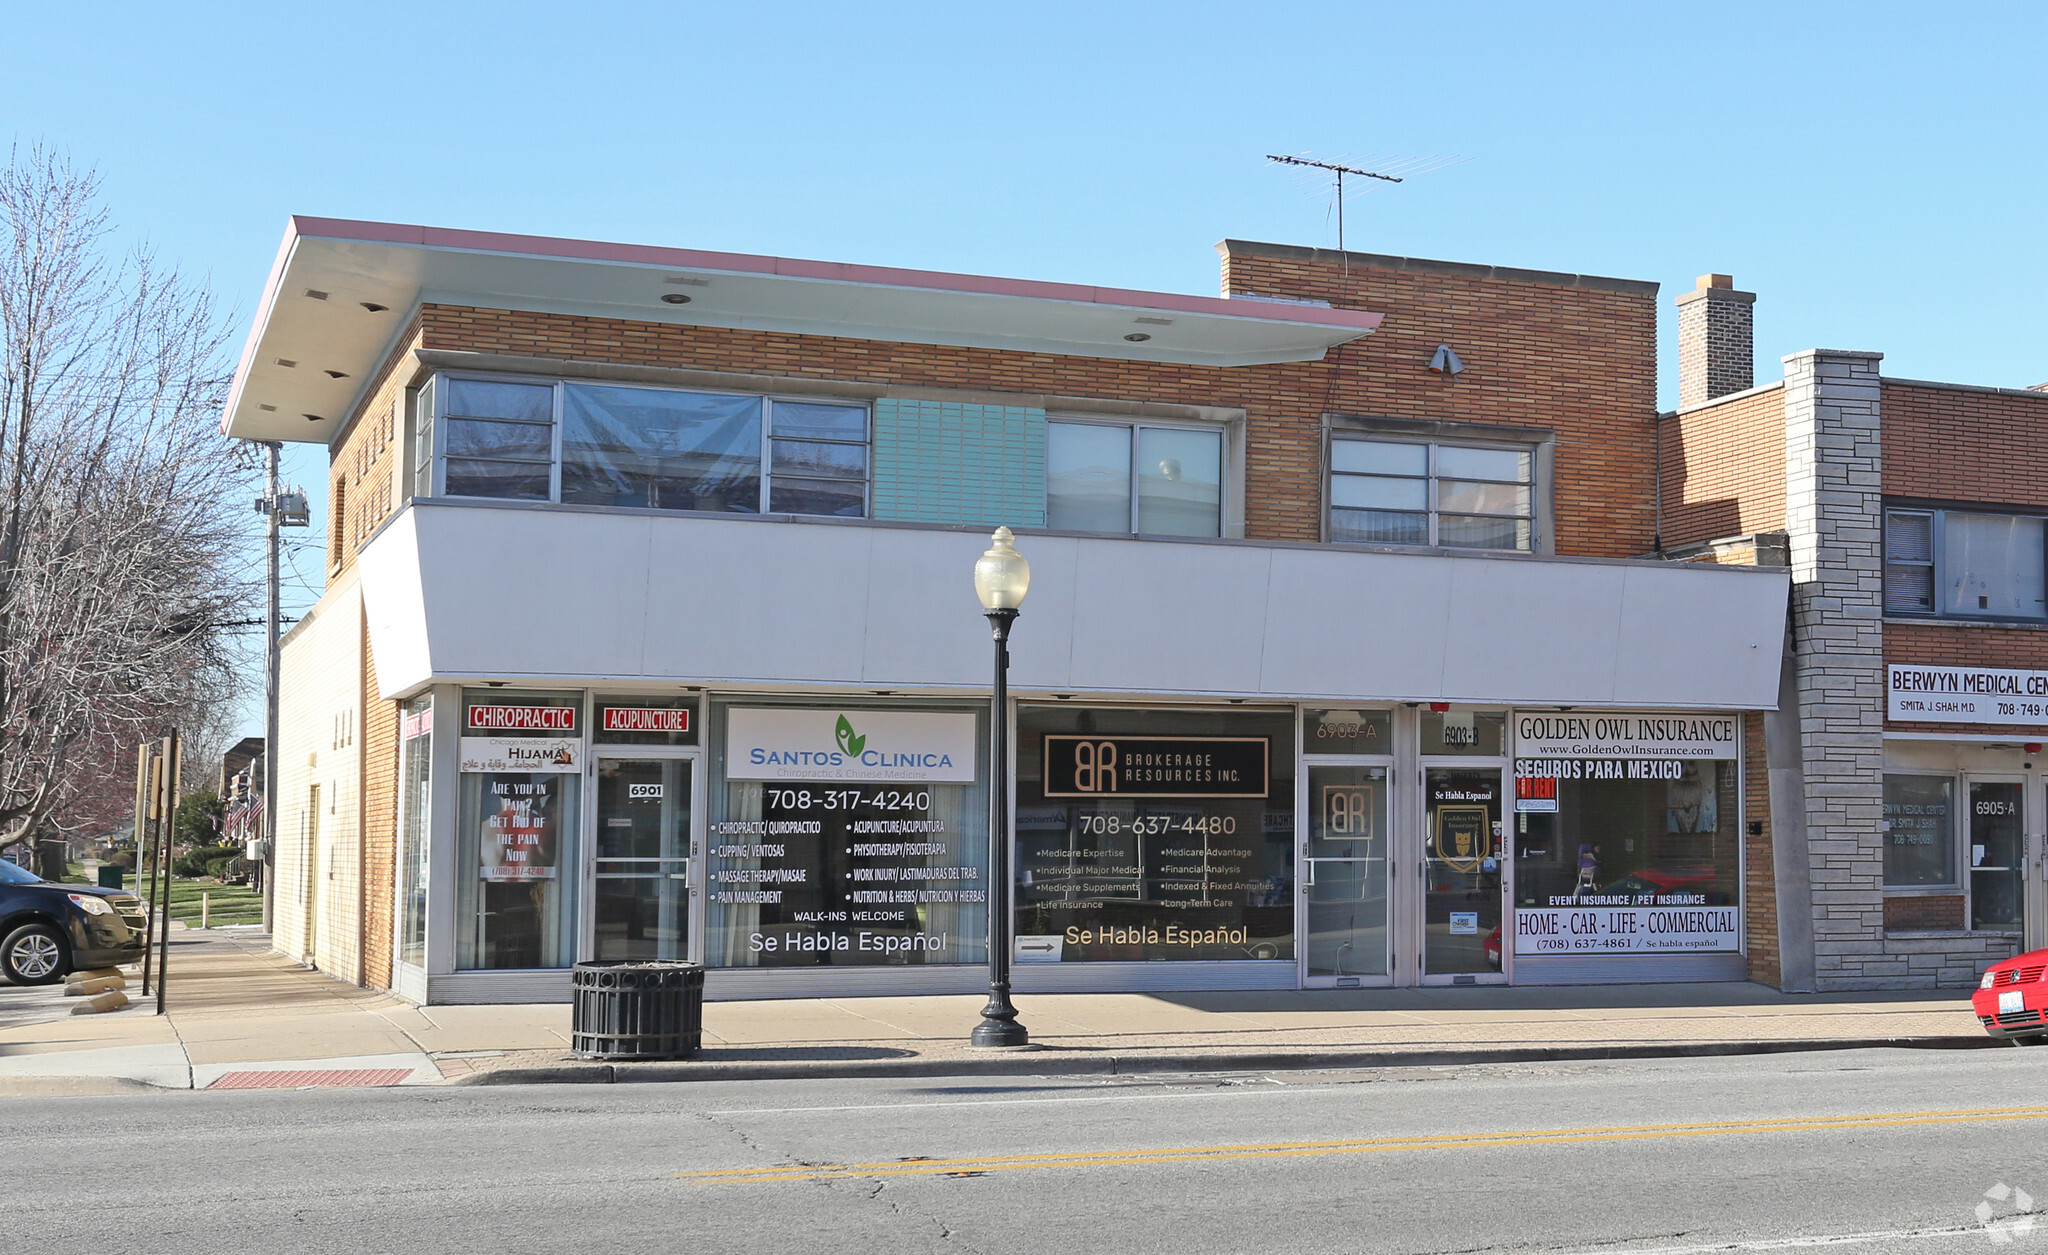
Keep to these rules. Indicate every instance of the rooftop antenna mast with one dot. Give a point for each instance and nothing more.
(1390, 169)
(1340, 171)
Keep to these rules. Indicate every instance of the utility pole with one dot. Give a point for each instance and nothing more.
(280, 510)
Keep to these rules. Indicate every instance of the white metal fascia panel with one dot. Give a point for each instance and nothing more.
(1698, 636)
(394, 607)
(535, 593)
(1530, 631)
(1341, 622)
(1169, 617)
(558, 595)
(922, 617)
(752, 601)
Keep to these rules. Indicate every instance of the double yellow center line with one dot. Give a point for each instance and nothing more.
(920, 1167)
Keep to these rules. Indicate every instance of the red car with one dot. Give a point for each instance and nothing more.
(2012, 998)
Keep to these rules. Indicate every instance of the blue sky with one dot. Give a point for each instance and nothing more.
(1876, 173)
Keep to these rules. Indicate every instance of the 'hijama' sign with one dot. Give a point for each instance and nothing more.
(520, 753)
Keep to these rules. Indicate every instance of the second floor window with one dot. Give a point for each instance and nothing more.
(1126, 479)
(498, 439)
(1964, 564)
(649, 448)
(1400, 492)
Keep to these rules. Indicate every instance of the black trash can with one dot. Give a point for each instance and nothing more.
(629, 1010)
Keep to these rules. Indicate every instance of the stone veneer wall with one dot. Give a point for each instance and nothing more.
(1834, 510)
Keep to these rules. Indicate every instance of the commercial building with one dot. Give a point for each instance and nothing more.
(1906, 774)
(649, 628)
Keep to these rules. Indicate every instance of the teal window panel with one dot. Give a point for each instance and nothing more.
(948, 462)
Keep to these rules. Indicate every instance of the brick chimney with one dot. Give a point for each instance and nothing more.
(1716, 353)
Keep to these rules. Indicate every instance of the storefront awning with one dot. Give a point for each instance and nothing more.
(462, 593)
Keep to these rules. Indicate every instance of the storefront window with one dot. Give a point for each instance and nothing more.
(416, 739)
(1919, 831)
(1154, 835)
(1463, 733)
(642, 720)
(1626, 835)
(521, 772)
(1348, 731)
(851, 836)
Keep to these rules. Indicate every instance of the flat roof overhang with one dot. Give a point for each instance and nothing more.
(309, 357)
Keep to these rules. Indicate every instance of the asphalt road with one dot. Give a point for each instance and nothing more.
(1862, 1151)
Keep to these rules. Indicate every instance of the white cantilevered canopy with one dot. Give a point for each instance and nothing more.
(341, 292)
(466, 593)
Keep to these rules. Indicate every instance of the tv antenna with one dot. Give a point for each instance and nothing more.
(1392, 170)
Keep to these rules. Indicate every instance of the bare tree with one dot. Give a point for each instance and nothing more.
(121, 504)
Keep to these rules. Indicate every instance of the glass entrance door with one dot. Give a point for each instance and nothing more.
(641, 874)
(1344, 876)
(1998, 856)
(1462, 875)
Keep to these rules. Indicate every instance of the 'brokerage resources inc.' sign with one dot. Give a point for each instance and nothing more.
(1965, 694)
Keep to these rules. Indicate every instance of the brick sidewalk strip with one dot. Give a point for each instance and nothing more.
(328, 1079)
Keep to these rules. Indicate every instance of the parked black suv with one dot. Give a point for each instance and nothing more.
(48, 930)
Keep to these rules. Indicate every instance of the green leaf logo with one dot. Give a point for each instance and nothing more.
(849, 743)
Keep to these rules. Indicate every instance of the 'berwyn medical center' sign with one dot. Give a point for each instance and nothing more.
(1965, 695)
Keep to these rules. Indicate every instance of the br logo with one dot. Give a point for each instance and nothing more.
(850, 743)
(2002, 1225)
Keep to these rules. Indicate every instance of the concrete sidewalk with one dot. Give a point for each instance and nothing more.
(241, 1016)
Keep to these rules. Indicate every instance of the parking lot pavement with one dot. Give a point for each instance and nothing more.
(22, 1005)
(32, 1004)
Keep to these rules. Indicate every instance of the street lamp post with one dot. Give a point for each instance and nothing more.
(1000, 578)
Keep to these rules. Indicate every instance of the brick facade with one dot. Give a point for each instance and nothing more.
(1721, 468)
(1759, 878)
(1924, 913)
(379, 743)
(1573, 357)
(1965, 446)
(1819, 457)
(1951, 443)
(1572, 353)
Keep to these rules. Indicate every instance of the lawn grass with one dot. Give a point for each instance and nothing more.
(225, 904)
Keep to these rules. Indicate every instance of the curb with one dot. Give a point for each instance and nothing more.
(1037, 1063)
